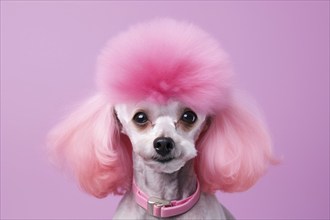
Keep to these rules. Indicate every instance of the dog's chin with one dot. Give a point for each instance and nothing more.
(166, 165)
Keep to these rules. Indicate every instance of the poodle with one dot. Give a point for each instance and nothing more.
(167, 127)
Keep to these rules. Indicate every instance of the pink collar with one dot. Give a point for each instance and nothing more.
(164, 208)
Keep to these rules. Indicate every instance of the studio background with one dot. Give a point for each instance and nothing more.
(280, 53)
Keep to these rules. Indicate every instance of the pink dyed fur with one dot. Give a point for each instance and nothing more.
(236, 149)
(165, 59)
(90, 144)
(159, 61)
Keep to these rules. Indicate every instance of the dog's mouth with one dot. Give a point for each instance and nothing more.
(166, 164)
(163, 159)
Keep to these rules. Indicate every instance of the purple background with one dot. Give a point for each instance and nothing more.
(280, 52)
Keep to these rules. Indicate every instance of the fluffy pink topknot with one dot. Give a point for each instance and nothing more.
(165, 59)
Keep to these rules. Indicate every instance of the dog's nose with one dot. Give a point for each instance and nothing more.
(163, 145)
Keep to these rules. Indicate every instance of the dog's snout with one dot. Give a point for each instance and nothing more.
(163, 145)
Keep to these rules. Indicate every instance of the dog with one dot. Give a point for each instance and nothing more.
(167, 127)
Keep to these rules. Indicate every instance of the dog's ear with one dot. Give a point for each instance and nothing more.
(235, 150)
(90, 144)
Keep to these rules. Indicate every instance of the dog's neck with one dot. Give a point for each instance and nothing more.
(174, 186)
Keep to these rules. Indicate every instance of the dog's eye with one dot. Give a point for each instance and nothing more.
(140, 118)
(189, 117)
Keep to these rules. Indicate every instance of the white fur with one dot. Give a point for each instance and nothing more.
(172, 180)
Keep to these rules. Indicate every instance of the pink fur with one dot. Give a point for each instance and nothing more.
(235, 151)
(165, 59)
(90, 144)
(159, 61)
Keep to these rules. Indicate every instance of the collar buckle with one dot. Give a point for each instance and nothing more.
(165, 208)
(154, 201)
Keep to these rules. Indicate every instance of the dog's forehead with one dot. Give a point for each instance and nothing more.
(169, 108)
(156, 109)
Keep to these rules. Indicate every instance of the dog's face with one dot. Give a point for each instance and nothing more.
(163, 136)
